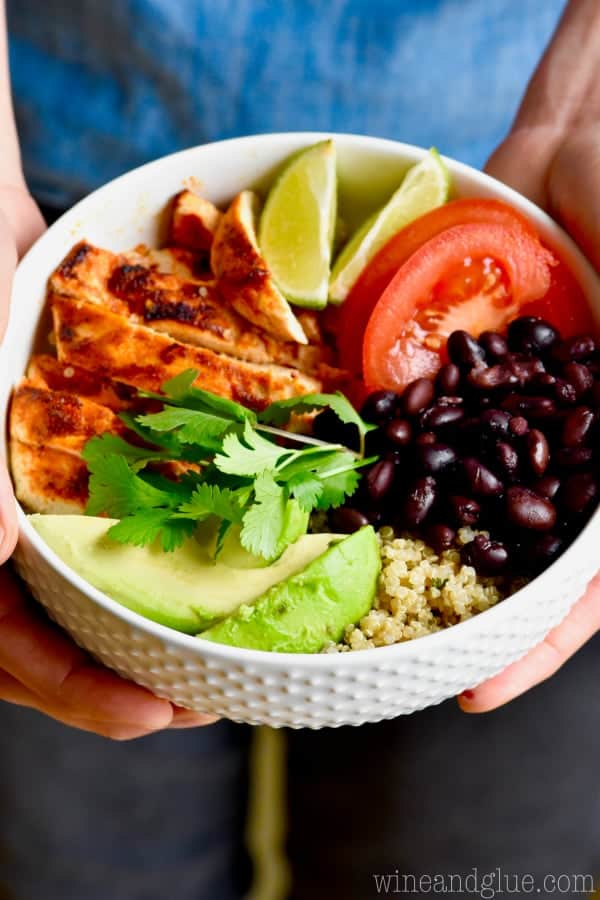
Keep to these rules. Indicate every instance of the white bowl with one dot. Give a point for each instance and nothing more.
(253, 686)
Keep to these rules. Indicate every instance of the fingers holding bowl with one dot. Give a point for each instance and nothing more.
(582, 623)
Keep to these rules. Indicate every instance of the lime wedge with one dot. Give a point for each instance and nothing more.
(297, 225)
(425, 186)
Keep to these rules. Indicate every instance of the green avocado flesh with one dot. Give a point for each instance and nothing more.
(311, 607)
(186, 590)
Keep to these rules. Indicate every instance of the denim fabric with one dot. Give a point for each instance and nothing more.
(101, 87)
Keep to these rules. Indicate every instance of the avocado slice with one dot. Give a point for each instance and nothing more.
(186, 590)
(302, 613)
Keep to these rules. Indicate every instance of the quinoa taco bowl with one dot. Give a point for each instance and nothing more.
(223, 498)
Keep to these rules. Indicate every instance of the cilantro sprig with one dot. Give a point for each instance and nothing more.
(241, 468)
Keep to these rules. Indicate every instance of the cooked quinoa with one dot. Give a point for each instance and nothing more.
(420, 592)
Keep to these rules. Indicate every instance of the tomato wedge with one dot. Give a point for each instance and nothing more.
(565, 305)
(474, 277)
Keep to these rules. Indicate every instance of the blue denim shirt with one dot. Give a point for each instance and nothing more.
(104, 86)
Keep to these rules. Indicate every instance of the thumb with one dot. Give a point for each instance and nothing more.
(574, 189)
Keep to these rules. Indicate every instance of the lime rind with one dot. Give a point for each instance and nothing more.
(297, 225)
(425, 186)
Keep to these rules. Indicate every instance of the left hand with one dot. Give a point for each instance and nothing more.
(552, 155)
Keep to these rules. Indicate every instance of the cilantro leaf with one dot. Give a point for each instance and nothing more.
(118, 492)
(188, 426)
(280, 412)
(263, 522)
(212, 500)
(143, 528)
(179, 391)
(250, 454)
(307, 488)
(336, 488)
(137, 457)
(222, 532)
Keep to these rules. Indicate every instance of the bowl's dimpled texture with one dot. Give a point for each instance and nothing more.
(379, 684)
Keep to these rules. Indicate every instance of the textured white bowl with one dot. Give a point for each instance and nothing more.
(246, 685)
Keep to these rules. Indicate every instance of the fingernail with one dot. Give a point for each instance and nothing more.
(468, 695)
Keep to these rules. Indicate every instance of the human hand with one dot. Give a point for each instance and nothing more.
(39, 666)
(552, 155)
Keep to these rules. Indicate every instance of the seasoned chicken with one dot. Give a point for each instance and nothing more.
(48, 481)
(190, 311)
(194, 221)
(57, 420)
(48, 373)
(185, 264)
(90, 336)
(243, 275)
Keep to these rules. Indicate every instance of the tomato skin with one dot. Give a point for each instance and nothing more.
(353, 316)
(409, 325)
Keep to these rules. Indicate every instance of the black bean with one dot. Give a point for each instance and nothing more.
(346, 519)
(394, 456)
(480, 479)
(441, 416)
(486, 379)
(448, 379)
(449, 400)
(580, 347)
(440, 537)
(543, 381)
(579, 491)
(487, 557)
(536, 407)
(526, 509)
(579, 376)
(419, 502)
(466, 510)
(538, 451)
(496, 421)
(544, 550)
(525, 370)
(530, 334)
(464, 350)
(427, 437)
(518, 426)
(565, 392)
(436, 458)
(327, 427)
(417, 396)
(380, 479)
(379, 407)
(547, 487)
(573, 457)
(577, 426)
(507, 459)
(399, 432)
(596, 394)
(494, 345)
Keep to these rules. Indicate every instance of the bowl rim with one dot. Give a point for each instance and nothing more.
(386, 654)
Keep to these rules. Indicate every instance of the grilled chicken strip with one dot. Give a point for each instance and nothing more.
(48, 481)
(48, 373)
(57, 420)
(194, 221)
(190, 311)
(243, 275)
(90, 336)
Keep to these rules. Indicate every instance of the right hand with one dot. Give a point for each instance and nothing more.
(40, 666)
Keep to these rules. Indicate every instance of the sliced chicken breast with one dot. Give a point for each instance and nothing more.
(48, 481)
(57, 420)
(48, 373)
(190, 311)
(243, 275)
(90, 336)
(194, 221)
